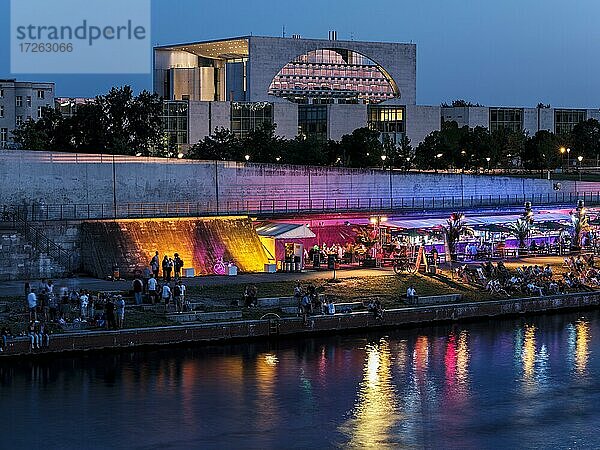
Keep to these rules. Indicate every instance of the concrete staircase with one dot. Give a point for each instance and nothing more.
(20, 259)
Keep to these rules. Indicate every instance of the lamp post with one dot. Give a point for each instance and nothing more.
(114, 171)
(383, 158)
(568, 160)
(437, 160)
(247, 158)
(488, 162)
(376, 221)
(579, 158)
(562, 151)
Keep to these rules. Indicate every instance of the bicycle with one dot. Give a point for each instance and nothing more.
(220, 267)
(404, 265)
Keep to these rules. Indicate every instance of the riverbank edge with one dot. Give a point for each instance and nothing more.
(274, 327)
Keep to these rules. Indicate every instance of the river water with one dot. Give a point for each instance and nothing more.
(529, 382)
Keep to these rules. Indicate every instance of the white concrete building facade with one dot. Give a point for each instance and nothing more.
(323, 88)
(21, 101)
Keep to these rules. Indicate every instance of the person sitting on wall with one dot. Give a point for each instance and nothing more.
(411, 294)
(378, 310)
(330, 307)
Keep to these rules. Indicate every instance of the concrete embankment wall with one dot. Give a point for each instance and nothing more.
(63, 178)
(226, 331)
(130, 244)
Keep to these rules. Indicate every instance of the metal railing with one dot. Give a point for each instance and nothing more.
(266, 207)
(20, 220)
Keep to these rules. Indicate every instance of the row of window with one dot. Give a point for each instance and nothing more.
(41, 94)
(175, 122)
(19, 118)
(312, 121)
(320, 73)
(246, 117)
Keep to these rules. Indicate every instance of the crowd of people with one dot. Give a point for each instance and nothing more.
(171, 267)
(532, 279)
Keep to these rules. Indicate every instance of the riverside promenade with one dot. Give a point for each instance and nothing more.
(273, 327)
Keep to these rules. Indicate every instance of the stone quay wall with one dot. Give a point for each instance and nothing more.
(275, 328)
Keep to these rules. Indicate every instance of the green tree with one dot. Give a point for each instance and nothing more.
(455, 226)
(585, 140)
(521, 229)
(361, 148)
(263, 145)
(132, 125)
(222, 145)
(541, 151)
(309, 151)
(51, 132)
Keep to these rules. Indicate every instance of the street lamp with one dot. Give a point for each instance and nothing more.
(247, 157)
(278, 158)
(377, 221)
(562, 151)
(383, 158)
(579, 158)
(488, 162)
(437, 159)
(568, 161)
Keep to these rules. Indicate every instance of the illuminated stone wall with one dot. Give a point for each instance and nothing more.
(130, 244)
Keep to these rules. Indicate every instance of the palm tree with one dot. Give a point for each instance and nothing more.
(521, 229)
(580, 224)
(452, 231)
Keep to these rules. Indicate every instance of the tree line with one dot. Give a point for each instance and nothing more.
(123, 123)
(118, 123)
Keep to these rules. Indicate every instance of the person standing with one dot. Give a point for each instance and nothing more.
(152, 284)
(177, 297)
(145, 277)
(120, 308)
(182, 288)
(166, 294)
(138, 288)
(177, 265)
(83, 304)
(165, 268)
(32, 305)
(53, 307)
(109, 309)
(170, 269)
(154, 264)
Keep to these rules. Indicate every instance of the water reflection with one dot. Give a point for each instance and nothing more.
(456, 363)
(376, 410)
(534, 362)
(578, 343)
(498, 384)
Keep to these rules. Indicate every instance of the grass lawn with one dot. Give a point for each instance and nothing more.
(388, 288)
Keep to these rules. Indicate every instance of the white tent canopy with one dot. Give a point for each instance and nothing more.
(285, 231)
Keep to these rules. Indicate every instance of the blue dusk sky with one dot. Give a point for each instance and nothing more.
(498, 53)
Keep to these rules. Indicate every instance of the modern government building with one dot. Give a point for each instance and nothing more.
(319, 88)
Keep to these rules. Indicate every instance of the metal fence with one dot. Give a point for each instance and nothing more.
(267, 207)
